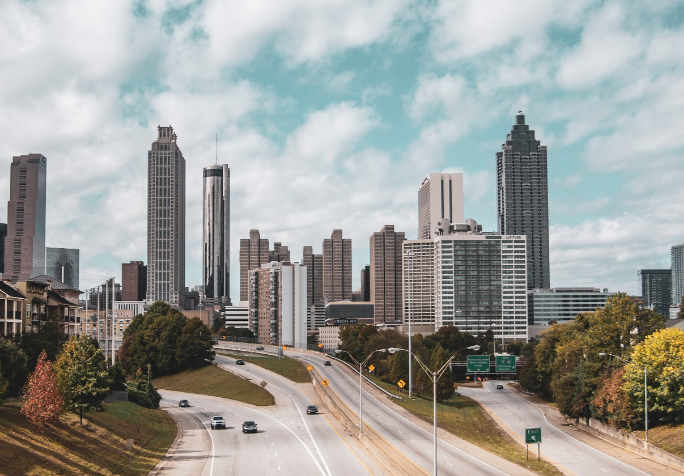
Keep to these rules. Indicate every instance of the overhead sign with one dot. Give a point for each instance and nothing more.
(478, 363)
(324, 382)
(505, 363)
(401, 383)
(371, 367)
(533, 435)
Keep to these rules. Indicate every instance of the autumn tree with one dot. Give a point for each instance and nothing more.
(83, 376)
(42, 401)
(611, 402)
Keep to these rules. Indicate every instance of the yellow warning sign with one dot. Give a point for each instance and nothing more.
(371, 367)
(284, 348)
(320, 346)
(401, 383)
(309, 367)
(324, 383)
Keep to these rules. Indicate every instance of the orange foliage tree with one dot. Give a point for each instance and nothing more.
(42, 402)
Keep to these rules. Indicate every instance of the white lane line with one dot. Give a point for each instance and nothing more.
(211, 473)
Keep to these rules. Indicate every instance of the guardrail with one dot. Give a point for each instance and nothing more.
(389, 394)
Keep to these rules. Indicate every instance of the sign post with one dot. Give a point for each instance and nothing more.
(532, 436)
(478, 363)
(505, 363)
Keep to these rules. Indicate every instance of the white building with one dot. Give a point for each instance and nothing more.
(236, 316)
(329, 336)
(136, 307)
(439, 196)
(563, 304)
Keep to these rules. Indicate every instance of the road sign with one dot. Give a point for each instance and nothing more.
(401, 383)
(324, 382)
(371, 367)
(478, 363)
(505, 363)
(468, 377)
(320, 346)
(284, 348)
(309, 367)
(533, 435)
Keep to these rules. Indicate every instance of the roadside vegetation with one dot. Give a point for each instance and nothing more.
(289, 368)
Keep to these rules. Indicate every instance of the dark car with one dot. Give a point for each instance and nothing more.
(240, 362)
(259, 348)
(218, 422)
(311, 410)
(184, 403)
(249, 427)
(326, 363)
(499, 387)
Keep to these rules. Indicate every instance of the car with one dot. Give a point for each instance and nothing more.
(249, 427)
(327, 363)
(240, 362)
(218, 422)
(184, 403)
(499, 387)
(311, 410)
(259, 348)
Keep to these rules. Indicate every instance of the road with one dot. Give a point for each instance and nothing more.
(407, 437)
(574, 456)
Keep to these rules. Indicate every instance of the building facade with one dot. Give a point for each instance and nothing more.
(337, 268)
(236, 316)
(62, 264)
(133, 281)
(386, 258)
(419, 282)
(563, 304)
(677, 266)
(166, 220)
(314, 287)
(656, 289)
(25, 240)
(216, 234)
(439, 196)
(523, 198)
(253, 253)
(12, 310)
(3, 235)
(365, 283)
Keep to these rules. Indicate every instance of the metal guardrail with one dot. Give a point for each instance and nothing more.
(389, 394)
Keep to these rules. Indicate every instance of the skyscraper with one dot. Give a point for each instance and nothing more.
(62, 264)
(133, 281)
(677, 265)
(25, 241)
(439, 196)
(314, 288)
(523, 198)
(365, 283)
(337, 267)
(279, 253)
(216, 234)
(385, 274)
(656, 289)
(3, 235)
(253, 253)
(166, 220)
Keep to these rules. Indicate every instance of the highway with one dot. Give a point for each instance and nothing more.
(407, 437)
(574, 456)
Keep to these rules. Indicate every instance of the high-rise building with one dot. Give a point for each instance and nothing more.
(419, 281)
(3, 235)
(133, 281)
(563, 304)
(677, 266)
(523, 198)
(337, 267)
(166, 220)
(314, 287)
(385, 274)
(656, 289)
(279, 253)
(216, 234)
(365, 283)
(253, 253)
(62, 264)
(439, 196)
(25, 241)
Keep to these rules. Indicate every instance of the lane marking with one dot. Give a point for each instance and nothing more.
(213, 455)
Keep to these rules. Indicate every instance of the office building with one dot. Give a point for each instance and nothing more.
(104, 294)
(133, 281)
(346, 312)
(314, 288)
(236, 316)
(439, 196)
(523, 198)
(419, 282)
(677, 266)
(25, 240)
(365, 283)
(337, 268)
(62, 264)
(3, 235)
(124, 308)
(253, 253)
(216, 234)
(279, 253)
(563, 304)
(277, 304)
(166, 220)
(656, 289)
(385, 274)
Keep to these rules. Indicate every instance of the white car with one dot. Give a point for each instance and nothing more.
(218, 422)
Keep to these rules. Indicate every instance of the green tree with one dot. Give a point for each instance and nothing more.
(354, 339)
(142, 392)
(398, 368)
(194, 345)
(15, 364)
(445, 385)
(49, 339)
(83, 376)
(117, 377)
(232, 331)
(3, 386)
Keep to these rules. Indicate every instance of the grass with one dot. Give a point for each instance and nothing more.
(210, 380)
(288, 368)
(465, 418)
(668, 437)
(97, 447)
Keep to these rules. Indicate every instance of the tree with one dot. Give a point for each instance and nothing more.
(42, 402)
(49, 339)
(680, 313)
(142, 392)
(232, 331)
(398, 368)
(14, 363)
(445, 385)
(3, 386)
(83, 376)
(117, 377)
(194, 346)
(611, 402)
(354, 339)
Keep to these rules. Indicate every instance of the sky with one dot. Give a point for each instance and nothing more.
(331, 113)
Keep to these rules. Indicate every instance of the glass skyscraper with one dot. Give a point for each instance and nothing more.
(216, 234)
(62, 264)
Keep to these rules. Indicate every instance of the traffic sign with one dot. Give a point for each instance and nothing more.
(401, 383)
(324, 382)
(478, 363)
(309, 367)
(371, 367)
(533, 435)
(284, 348)
(320, 346)
(505, 363)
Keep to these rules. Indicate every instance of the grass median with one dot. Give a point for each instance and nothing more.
(97, 447)
(289, 368)
(210, 380)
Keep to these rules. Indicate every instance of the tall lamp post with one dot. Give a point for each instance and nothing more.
(434, 376)
(410, 254)
(603, 354)
(360, 379)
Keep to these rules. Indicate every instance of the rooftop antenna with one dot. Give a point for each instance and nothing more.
(217, 149)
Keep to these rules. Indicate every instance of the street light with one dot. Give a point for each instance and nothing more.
(360, 381)
(410, 254)
(434, 376)
(602, 354)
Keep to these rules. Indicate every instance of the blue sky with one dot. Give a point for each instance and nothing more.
(331, 113)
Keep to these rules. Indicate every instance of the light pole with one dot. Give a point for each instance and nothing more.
(360, 380)
(603, 354)
(410, 254)
(434, 376)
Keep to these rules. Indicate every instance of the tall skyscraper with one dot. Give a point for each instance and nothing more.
(656, 289)
(385, 274)
(337, 267)
(253, 253)
(279, 253)
(133, 281)
(25, 241)
(166, 220)
(677, 265)
(523, 198)
(314, 287)
(3, 235)
(365, 283)
(62, 264)
(216, 234)
(439, 196)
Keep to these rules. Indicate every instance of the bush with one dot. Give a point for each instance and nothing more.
(142, 392)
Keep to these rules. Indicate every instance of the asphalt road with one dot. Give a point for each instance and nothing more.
(410, 439)
(563, 450)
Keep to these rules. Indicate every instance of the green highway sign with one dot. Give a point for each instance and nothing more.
(532, 435)
(505, 363)
(478, 363)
